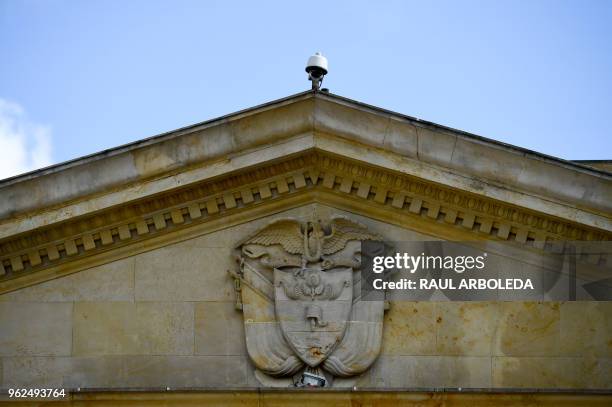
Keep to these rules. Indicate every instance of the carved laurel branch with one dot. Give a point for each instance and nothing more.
(47, 247)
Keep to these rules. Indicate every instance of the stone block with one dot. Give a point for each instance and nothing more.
(41, 329)
(165, 328)
(361, 126)
(211, 142)
(513, 266)
(64, 372)
(435, 146)
(411, 372)
(65, 185)
(185, 272)
(367, 311)
(219, 329)
(123, 328)
(598, 372)
(578, 187)
(105, 328)
(125, 371)
(272, 125)
(540, 372)
(477, 158)
(409, 329)
(109, 282)
(197, 146)
(528, 329)
(401, 138)
(466, 328)
(466, 372)
(586, 329)
(185, 371)
(94, 372)
(35, 372)
(58, 290)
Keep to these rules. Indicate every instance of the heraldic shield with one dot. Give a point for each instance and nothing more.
(298, 287)
(313, 307)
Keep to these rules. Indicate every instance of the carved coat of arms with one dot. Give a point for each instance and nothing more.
(298, 288)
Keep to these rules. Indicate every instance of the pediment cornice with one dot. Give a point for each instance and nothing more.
(308, 176)
(278, 122)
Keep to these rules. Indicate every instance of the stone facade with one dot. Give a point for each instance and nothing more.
(128, 280)
(167, 318)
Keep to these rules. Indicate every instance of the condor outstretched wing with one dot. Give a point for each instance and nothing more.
(343, 231)
(285, 232)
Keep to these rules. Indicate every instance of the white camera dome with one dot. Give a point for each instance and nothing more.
(317, 62)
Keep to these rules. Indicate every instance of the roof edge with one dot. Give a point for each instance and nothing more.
(577, 164)
(152, 139)
(308, 114)
(582, 165)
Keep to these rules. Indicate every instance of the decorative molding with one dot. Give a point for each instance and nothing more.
(363, 397)
(315, 172)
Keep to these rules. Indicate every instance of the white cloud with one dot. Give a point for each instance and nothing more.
(24, 145)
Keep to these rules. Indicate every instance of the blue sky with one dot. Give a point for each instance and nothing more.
(77, 77)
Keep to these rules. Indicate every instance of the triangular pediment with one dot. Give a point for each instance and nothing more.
(312, 148)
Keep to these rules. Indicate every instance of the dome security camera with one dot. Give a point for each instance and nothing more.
(317, 69)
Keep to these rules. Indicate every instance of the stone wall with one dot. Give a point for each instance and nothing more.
(166, 318)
